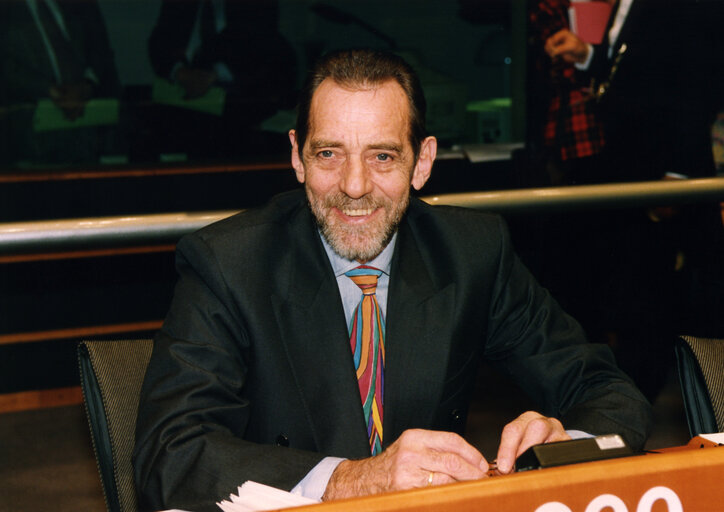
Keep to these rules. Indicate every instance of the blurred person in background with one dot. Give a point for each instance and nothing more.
(57, 50)
(657, 80)
(232, 45)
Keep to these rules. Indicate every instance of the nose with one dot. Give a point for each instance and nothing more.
(356, 181)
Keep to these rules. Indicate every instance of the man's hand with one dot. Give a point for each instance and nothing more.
(523, 432)
(71, 98)
(566, 45)
(417, 459)
(195, 82)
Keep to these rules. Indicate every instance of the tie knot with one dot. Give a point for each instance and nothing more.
(365, 277)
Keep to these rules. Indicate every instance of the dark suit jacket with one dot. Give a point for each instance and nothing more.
(261, 60)
(252, 376)
(665, 91)
(27, 72)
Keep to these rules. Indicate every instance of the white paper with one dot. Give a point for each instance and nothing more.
(714, 438)
(477, 153)
(253, 496)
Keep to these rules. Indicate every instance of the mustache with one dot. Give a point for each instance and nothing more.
(343, 201)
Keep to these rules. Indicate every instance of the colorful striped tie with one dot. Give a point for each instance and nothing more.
(367, 334)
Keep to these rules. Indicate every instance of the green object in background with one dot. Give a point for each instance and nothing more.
(281, 122)
(490, 105)
(173, 94)
(98, 112)
(489, 120)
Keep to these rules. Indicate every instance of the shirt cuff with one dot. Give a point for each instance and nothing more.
(578, 434)
(315, 483)
(586, 63)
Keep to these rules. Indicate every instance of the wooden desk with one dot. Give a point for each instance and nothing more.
(685, 478)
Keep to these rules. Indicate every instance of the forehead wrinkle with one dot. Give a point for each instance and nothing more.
(344, 118)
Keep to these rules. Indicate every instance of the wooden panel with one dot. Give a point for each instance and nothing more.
(646, 483)
(27, 400)
(89, 253)
(137, 172)
(75, 333)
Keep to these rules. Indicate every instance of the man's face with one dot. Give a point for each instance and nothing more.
(358, 165)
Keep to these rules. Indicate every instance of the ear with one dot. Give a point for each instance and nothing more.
(423, 167)
(297, 162)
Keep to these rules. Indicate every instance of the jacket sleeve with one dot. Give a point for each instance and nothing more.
(170, 36)
(540, 347)
(190, 449)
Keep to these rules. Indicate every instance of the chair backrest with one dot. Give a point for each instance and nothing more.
(111, 376)
(701, 373)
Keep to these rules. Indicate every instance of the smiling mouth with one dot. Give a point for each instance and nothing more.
(359, 212)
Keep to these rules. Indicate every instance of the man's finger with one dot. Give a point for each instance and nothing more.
(559, 36)
(555, 41)
(453, 465)
(434, 478)
(541, 430)
(526, 430)
(509, 441)
(448, 442)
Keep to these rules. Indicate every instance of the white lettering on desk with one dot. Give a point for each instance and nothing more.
(553, 506)
(602, 502)
(660, 493)
(599, 503)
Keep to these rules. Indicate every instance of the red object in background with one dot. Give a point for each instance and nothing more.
(588, 20)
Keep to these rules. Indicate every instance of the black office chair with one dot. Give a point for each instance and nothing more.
(701, 373)
(111, 376)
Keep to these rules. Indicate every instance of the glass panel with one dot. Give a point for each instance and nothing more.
(89, 83)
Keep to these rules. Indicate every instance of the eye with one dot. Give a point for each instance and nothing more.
(383, 157)
(326, 153)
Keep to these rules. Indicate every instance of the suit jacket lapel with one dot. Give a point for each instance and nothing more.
(628, 26)
(311, 320)
(420, 306)
(26, 42)
(313, 329)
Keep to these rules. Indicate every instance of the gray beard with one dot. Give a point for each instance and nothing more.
(356, 243)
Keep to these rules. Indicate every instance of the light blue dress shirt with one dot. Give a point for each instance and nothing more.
(315, 483)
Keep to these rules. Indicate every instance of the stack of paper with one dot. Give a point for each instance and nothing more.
(97, 112)
(254, 496)
(168, 93)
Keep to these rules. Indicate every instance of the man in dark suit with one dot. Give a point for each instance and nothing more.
(658, 73)
(568, 130)
(235, 45)
(55, 49)
(252, 376)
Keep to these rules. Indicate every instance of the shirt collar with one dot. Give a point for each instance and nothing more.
(340, 265)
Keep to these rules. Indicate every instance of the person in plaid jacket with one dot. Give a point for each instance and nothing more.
(571, 131)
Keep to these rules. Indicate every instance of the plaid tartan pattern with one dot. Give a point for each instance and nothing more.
(572, 129)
